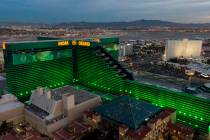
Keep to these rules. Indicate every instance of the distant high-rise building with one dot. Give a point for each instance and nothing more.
(126, 49)
(31, 64)
(183, 48)
(56, 63)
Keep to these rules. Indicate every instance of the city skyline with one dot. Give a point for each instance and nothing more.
(54, 11)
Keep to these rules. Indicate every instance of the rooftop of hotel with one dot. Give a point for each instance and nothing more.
(43, 98)
(128, 111)
(80, 95)
(57, 94)
(53, 43)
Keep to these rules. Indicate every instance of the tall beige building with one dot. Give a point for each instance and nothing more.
(53, 109)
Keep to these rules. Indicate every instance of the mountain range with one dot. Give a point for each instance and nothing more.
(138, 23)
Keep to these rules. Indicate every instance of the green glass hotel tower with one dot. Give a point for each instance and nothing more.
(93, 64)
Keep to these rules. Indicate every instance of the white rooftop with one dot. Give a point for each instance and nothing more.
(10, 106)
(9, 102)
(47, 100)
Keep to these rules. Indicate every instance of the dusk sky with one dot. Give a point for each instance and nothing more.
(54, 11)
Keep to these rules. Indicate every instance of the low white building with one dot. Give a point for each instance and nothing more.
(11, 110)
(53, 109)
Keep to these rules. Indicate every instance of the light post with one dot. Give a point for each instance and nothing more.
(189, 73)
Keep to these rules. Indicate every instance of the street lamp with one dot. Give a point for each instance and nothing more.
(189, 73)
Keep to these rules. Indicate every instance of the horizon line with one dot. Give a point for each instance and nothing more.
(25, 22)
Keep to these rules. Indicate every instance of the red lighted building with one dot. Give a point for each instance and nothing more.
(75, 130)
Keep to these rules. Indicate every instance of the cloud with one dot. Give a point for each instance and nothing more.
(104, 10)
